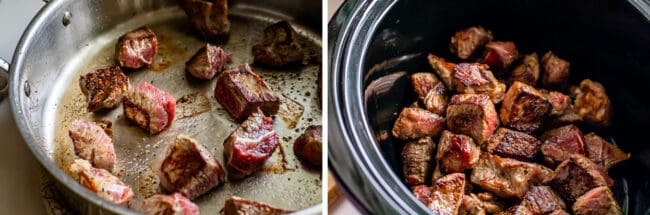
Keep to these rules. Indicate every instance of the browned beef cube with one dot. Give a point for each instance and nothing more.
(444, 69)
(527, 72)
(279, 47)
(436, 100)
(505, 177)
(309, 146)
(513, 144)
(101, 182)
(241, 92)
(490, 202)
(250, 145)
(473, 115)
(577, 175)
(423, 82)
(602, 152)
(476, 78)
(136, 49)
(524, 108)
(556, 72)
(187, 167)
(414, 123)
(560, 143)
(468, 41)
(417, 160)
(560, 103)
(456, 152)
(518, 209)
(169, 204)
(593, 104)
(545, 174)
(207, 62)
(149, 107)
(477, 204)
(238, 206)
(542, 200)
(92, 143)
(597, 201)
(209, 17)
(500, 55)
(104, 88)
(559, 212)
(422, 193)
(447, 194)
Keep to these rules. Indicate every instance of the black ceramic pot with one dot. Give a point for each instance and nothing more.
(374, 45)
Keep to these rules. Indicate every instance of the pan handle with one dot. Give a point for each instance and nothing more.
(4, 78)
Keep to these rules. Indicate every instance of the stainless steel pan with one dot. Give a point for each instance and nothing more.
(68, 38)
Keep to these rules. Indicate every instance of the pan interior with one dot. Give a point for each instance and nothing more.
(284, 182)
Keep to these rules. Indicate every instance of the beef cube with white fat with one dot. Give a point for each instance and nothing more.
(476, 78)
(593, 104)
(279, 47)
(176, 204)
(505, 177)
(599, 200)
(577, 175)
(209, 17)
(602, 152)
(513, 144)
(309, 146)
(238, 206)
(447, 194)
(149, 107)
(414, 123)
(136, 49)
(417, 160)
(250, 145)
(556, 72)
(101, 182)
(207, 61)
(104, 88)
(92, 143)
(241, 92)
(457, 152)
(560, 143)
(524, 108)
(187, 167)
(527, 72)
(468, 41)
(443, 68)
(500, 55)
(542, 200)
(473, 115)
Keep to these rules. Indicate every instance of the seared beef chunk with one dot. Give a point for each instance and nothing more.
(414, 123)
(136, 49)
(176, 204)
(560, 143)
(593, 104)
(556, 72)
(602, 152)
(241, 92)
(524, 108)
(187, 167)
(545, 174)
(447, 194)
(513, 144)
(597, 201)
(239, 206)
(104, 88)
(478, 204)
(560, 103)
(101, 182)
(518, 209)
(279, 47)
(309, 146)
(423, 82)
(444, 69)
(489, 202)
(456, 152)
(436, 100)
(527, 72)
(92, 143)
(577, 175)
(422, 193)
(499, 55)
(417, 160)
(505, 177)
(466, 42)
(149, 107)
(476, 78)
(250, 145)
(542, 200)
(209, 17)
(559, 212)
(207, 62)
(473, 115)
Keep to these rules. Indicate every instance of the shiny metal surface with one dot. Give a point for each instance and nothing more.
(4, 78)
(45, 96)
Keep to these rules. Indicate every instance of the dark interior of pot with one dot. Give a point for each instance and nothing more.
(606, 41)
